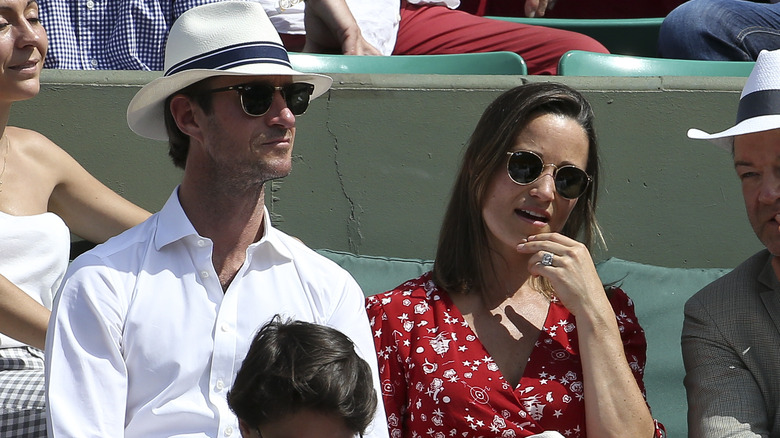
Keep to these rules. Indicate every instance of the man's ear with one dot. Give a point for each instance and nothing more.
(183, 111)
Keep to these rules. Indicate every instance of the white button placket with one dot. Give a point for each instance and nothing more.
(223, 357)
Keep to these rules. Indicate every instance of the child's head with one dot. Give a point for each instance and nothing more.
(299, 377)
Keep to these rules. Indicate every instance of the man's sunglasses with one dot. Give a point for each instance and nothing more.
(256, 99)
(525, 167)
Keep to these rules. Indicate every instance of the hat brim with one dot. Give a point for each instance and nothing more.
(145, 115)
(725, 139)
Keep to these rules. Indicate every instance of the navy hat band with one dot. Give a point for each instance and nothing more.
(235, 56)
(759, 103)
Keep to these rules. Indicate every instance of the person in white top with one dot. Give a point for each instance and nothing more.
(44, 194)
(149, 329)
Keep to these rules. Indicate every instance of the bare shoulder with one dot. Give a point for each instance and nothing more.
(32, 167)
(33, 143)
(37, 154)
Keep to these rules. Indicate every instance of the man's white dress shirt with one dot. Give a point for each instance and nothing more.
(143, 342)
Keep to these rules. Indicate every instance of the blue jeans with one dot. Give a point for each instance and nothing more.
(720, 30)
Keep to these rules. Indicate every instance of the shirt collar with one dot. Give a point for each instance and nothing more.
(174, 225)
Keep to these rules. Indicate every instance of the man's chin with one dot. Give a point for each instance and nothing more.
(772, 244)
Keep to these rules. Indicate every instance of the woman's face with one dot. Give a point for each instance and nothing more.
(512, 212)
(23, 46)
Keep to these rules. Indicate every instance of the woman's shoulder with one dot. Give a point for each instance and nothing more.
(34, 145)
(28, 137)
(410, 292)
(33, 166)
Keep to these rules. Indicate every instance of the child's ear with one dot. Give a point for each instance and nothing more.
(246, 430)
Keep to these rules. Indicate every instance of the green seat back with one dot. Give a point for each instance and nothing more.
(628, 36)
(579, 63)
(659, 295)
(489, 63)
(377, 274)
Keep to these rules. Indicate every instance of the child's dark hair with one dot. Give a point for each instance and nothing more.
(296, 365)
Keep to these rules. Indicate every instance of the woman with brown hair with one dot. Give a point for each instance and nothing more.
(513, 334)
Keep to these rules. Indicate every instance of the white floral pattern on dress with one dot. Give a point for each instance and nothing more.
(438, 381)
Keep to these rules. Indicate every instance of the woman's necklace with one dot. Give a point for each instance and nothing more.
(5, 159)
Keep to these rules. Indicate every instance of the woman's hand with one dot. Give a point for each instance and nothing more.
(570, 270)
(614, 404)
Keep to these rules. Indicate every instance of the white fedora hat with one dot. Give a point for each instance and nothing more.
(229, 38)
(759, 103)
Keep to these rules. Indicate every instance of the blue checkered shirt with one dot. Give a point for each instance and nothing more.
(109, 34)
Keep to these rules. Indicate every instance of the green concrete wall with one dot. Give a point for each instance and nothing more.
(376, 155)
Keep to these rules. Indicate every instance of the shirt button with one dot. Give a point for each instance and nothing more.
(90, 4)
(228, 431)
(201, 243)
(204, 274)
(93, 62)
(220, 385)
(225, 327)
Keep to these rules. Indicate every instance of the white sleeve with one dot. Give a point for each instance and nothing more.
(351, 319)
(86, 378)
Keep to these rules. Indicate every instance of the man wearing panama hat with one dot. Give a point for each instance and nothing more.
(731, 333)
(149, 329)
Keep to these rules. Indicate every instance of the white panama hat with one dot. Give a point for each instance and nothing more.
(229, 38)
(759, 103)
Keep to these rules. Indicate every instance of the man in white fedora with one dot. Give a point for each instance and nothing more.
(731, 333)
(149, 329)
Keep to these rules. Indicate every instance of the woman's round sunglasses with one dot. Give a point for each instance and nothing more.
(525, 167)
(256, 99)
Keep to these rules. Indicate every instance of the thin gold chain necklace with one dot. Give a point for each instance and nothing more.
(5, 159)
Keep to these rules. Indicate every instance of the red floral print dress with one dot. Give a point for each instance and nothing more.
(438, 380)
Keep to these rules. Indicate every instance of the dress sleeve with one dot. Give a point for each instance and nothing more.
(391, 371)
(634, 342)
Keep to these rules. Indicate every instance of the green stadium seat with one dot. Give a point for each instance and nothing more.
(490, 63)
(627, 36)
(579, 63)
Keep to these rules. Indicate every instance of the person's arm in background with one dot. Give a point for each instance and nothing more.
(331, 27)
